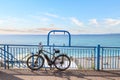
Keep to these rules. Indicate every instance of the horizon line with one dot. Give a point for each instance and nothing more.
(70, 33)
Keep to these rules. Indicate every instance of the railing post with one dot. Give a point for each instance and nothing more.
(4, 56)
(98, 57)
(32, 59)
(7, 55)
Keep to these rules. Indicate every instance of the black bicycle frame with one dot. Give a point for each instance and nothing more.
(50, 62)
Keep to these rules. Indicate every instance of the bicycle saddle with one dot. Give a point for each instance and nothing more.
(56, 50)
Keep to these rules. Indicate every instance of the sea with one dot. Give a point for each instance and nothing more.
(110, 40)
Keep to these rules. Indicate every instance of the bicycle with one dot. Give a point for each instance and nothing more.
(36, 61)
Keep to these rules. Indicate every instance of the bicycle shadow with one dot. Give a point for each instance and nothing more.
(67, 75)
(6, 76)
(81, 74)
(86, 74)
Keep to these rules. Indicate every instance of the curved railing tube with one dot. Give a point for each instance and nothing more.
(48, 37)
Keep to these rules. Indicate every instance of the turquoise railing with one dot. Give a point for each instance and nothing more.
(110, 58)
(16, 55)
(57, 31)
(83, 57)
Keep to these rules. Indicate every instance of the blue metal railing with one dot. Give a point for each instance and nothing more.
(110, 58)
(8, 57)
(82, 57)
(54, 31)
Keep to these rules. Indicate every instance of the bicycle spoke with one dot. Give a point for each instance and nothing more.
(35, 62)
(62, 62)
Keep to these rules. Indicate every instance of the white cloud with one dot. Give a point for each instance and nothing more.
(41, 18)
(112, 22)
(95, 26)
(45, 19)
(12, 20)
(45, 23)
(1, 21)
(41, 30)
(52, 15)
(76, 21)
(93, 22)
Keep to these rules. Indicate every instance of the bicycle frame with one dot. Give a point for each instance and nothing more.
(49, 61)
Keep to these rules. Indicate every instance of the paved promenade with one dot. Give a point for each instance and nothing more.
(22, 74)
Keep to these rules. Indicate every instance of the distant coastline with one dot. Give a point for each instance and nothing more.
(63, 34)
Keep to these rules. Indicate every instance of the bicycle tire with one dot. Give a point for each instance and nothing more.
(58, 63)
(31, 63)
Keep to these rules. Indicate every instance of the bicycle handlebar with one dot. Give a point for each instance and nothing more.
(40, 46)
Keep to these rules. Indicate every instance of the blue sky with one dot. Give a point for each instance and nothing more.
(76, 16)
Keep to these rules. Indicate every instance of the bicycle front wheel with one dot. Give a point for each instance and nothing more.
(35, 62)
(62, 62)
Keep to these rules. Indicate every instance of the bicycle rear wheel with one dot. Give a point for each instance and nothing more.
(62, 62)
(35, 62)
